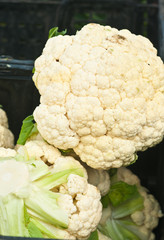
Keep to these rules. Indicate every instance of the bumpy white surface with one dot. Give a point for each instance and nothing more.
(102, 94)
(84, 207)
(6, 136)
(7, 152)
(41, 149)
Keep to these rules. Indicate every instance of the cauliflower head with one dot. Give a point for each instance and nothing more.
(102, 94)
(135, 216)
(6, 136)
(148, 217)
(78, 199)
(85, 215)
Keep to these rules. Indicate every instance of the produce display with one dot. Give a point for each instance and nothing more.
(67, 177)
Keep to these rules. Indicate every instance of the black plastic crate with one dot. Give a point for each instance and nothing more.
(161, 28)
(139, 16)
(24, 24)
(76, 13)
(24, 27)
(18, 95)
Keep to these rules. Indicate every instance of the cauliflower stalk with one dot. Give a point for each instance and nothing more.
(102, 94)
(37, 200)
(129, 211)
(6, 136)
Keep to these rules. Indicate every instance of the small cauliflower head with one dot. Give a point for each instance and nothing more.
(79, 199)
(148, 217)
(102, 94)
(128, 208)
(6, 136)
(83, 206)
(58, 198)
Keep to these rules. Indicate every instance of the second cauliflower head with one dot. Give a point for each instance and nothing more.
(57, 196)
(102, 94)
(79, 199)
(130, 210)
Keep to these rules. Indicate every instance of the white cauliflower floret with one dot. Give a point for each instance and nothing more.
(70, 207)
(76, 184)
(41, 149)
(149, 216)
(6, 136)
(85, 211)
(126, 175)
(7, 152)
(106, 102)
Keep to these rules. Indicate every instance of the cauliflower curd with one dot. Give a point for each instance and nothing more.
(102, 94)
